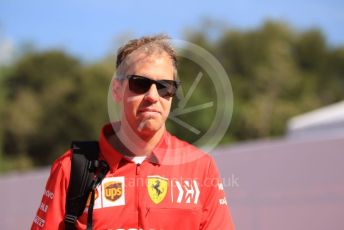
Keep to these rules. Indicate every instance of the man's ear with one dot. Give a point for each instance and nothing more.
(117, 90)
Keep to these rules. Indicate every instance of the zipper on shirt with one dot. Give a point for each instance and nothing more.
(137, 188)
(138, 169)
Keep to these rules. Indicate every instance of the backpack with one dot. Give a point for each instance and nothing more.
(87, 172)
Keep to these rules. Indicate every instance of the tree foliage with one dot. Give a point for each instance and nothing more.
(276, 73)
(49, 98)
(52, 100)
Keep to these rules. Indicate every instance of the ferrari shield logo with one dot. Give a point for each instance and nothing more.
(157, 188)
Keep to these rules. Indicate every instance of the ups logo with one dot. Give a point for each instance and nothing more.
(113, 190)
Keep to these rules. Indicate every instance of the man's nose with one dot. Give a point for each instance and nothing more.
(152, 95)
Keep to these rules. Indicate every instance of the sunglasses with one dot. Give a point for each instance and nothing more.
(139, 85)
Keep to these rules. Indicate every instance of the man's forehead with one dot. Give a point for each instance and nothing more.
(155, 57)
(143, 60)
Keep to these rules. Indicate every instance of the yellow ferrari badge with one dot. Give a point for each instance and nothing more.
(157, 188)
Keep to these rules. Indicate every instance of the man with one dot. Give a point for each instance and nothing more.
(155, 181)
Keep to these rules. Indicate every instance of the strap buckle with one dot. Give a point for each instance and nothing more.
(70, 219)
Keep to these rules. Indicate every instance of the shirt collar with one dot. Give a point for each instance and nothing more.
(107, 152)
(113, 156)
(160, 150)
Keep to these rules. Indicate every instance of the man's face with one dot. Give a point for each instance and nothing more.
(145, 113)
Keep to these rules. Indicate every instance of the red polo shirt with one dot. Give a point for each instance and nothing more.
(176, 187)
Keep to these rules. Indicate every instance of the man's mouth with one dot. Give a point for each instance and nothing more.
(148, 111)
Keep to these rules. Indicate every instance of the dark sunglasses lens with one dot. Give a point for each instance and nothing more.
(166, 88)
(139, 85)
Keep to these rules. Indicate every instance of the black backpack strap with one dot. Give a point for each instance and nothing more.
(86, 173)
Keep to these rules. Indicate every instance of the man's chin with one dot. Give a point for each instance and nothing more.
(148, 128)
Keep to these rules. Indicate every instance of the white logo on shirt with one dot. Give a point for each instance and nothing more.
(43, 207)
(220, 185)
(49, 194)
(223, 201)
(39, 221)
(188, 191)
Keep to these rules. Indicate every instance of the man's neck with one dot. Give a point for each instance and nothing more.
(139, 144)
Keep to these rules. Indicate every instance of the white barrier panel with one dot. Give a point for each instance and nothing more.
(285, 184)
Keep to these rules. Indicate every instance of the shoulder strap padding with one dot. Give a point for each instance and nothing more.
(85, 153)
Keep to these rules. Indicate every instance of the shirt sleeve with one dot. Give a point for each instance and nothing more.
(216, 213)
(50, 213)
